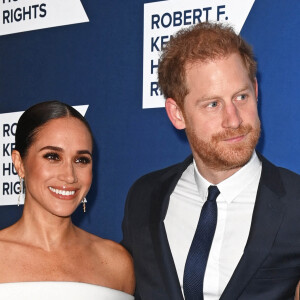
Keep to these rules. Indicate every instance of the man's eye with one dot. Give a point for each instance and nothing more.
(241, 97)
(52, 156)
(83, 160)
(213, 104)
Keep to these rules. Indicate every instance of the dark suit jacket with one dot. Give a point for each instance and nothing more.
(270, 266)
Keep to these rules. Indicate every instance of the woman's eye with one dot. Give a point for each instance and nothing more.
(83, 160)
(52, 156)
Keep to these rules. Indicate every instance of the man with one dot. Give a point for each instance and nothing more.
(223, 224)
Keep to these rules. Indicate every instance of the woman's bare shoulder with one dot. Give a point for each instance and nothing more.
(117, 259)
(115, 253)
(102, 244)
(297, 294)
(8, 235)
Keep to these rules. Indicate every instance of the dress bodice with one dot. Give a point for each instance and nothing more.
(57, 290)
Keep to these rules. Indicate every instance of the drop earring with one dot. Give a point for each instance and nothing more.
(21, 196)
(84, 201)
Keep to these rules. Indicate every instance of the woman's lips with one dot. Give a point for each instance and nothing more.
(63, 193)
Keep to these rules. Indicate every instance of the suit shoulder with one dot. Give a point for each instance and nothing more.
(154, 176)
(283, 181)
(290, 178)
(276, 177)
(288, 173)
(149, 179)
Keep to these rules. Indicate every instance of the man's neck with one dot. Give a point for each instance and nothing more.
(214, 176)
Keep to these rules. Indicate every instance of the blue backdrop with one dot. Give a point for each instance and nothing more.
(100, 63)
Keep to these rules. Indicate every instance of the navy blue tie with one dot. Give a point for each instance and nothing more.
(198, 254)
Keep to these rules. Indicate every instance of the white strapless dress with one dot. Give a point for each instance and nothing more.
(57, 290)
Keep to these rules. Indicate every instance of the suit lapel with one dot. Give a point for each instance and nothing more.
(158, 233)
(267, 217)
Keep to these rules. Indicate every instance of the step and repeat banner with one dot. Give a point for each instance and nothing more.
(102, 56)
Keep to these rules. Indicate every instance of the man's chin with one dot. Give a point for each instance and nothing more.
(225, 160)
(234, 161)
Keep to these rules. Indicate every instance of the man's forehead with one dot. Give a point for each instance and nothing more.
(199, 66)
(213, 59)
(209, 79)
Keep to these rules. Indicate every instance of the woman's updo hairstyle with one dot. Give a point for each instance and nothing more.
(38, 115)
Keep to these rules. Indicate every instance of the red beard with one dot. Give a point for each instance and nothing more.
(220, 155)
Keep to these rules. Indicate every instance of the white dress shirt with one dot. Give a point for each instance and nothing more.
(235, 207)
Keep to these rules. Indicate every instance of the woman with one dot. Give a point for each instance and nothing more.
(44, 255)
(297, 294)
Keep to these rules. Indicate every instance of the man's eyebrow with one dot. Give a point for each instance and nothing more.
(245, 88)
(214, 97)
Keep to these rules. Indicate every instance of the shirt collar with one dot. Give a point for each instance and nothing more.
(232, 186)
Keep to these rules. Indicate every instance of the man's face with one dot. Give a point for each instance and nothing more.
(220, 113)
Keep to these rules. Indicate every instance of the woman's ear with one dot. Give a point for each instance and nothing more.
(18, 163)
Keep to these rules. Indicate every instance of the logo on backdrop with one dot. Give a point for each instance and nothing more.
(9, 180)
(25, 15)
(164, 18)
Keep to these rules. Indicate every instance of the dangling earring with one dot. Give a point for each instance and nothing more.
(84, 201)
(21, 195)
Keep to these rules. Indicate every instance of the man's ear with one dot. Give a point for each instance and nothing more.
(18, 163)
(256, 88)
(175, 114)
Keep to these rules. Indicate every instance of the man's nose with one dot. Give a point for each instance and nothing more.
(231, 117)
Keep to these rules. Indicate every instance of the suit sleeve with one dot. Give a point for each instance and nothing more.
(127, 240)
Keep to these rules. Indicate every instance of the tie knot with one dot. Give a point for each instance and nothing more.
(213, 193)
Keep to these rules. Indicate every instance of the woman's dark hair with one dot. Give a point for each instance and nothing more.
(38, 115)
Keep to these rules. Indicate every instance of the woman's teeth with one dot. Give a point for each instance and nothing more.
(61, 192)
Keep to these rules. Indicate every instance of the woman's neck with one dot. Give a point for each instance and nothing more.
(44, 230)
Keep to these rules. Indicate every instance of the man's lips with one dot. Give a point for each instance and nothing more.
(63, 193)
(235, 139)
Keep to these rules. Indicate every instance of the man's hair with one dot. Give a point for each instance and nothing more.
(203, 42)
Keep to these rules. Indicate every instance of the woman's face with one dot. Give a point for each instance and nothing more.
(58, 166)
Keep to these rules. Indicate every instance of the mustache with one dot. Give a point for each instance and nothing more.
(231, 133)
